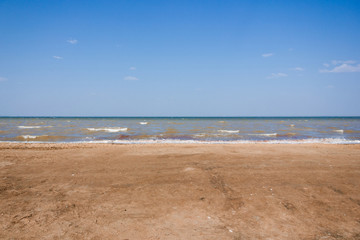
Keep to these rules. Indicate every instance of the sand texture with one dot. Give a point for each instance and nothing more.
(167, 191)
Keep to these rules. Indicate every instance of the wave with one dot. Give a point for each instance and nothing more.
(110, 129)
(179, 141)
(32, 127)
(338, 131)
(263, 134)
(26, 127)
(229, 131)
(143, 123)
(28, 136)
(41, 138)
(200, 135)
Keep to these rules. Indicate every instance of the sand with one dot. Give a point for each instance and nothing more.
(183, 191)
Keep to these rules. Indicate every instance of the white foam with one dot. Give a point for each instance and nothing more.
(178, 141)
(110, 129)
(339, 131)
(29, 127)
(264, 134)
(200, 135)
(229, 131)
(28, 136)
(143, 123)
(89, 138)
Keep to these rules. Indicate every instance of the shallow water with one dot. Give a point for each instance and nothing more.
(177, 129)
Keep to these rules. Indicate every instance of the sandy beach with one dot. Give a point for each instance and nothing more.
(179, 191)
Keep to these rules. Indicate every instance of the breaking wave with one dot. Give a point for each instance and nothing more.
(229, 131)
(179, 141)
(110, 129)
(40, 138)
(28, 136)
(263, 134)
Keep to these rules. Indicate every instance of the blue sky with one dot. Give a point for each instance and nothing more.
(179, 58)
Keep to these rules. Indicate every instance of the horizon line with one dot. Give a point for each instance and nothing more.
(74, 116)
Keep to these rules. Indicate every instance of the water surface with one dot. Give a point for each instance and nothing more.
(181, 129)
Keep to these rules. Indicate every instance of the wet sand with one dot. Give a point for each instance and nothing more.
(184, 191)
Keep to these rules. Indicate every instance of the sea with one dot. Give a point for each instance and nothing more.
(142, 130)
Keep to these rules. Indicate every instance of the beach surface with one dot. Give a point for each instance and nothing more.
(179, 191)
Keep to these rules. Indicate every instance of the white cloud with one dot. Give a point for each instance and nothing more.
(297, 69)
(132, 68)
(57, 57)
(337, 62)
(72, 41)
(277, 75)
(341, 67)
(130, 78)
(2, 79)
(265, 55)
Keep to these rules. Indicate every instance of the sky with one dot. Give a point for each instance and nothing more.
(179, 58)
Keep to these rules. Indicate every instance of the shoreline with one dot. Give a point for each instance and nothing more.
(327, 141)
(179, 191)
